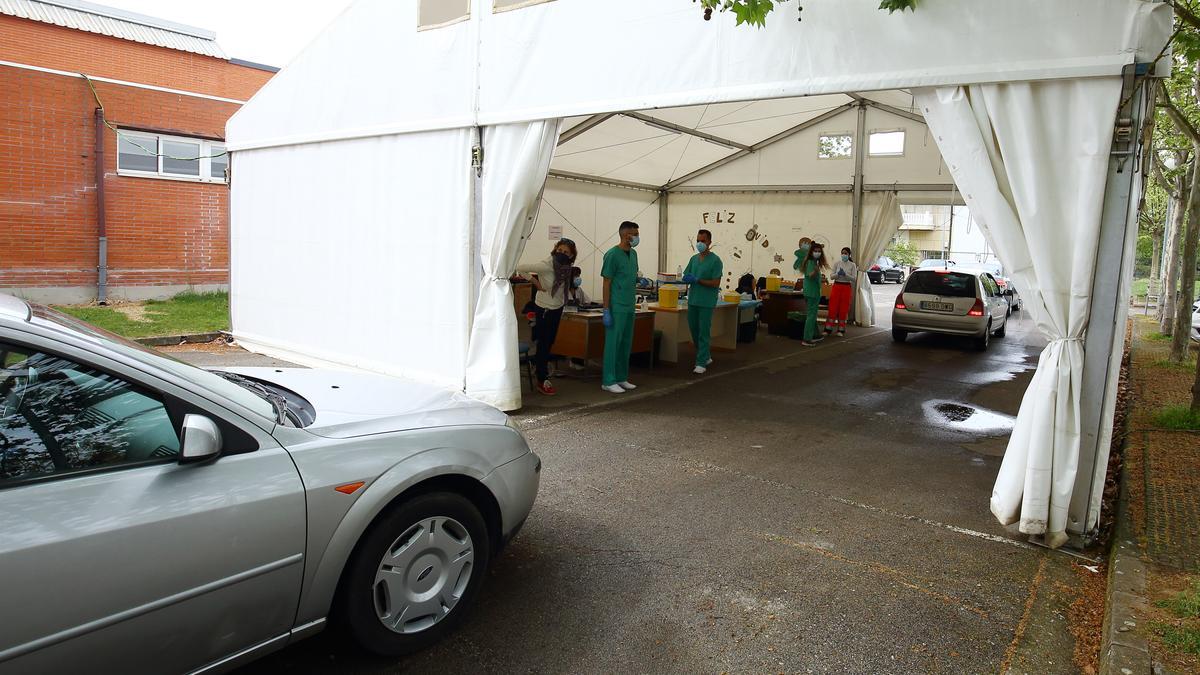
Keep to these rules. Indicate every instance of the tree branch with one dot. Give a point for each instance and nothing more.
(1185, 15)
(1181, 122)
(1160, 177)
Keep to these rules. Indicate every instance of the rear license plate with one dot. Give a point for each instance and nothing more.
(938, 306)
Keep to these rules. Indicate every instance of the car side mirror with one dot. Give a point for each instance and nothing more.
(201, 440)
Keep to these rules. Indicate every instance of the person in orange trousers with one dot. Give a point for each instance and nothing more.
(844, 276)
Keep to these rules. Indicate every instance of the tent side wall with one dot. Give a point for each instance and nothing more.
(339, 255)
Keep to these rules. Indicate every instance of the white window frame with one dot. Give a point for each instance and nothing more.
(830, 134)
(903, 146)
(207, 148)
(517, 5)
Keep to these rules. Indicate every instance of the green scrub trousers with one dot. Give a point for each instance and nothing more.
(700, 324)
(812, 305)
(618, 343)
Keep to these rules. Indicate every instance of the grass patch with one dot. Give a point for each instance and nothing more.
(1188, 366)
(1158, 337)
(1180, 638)
(1185, 604)
(1138, 288)
(1177, 417)
(181, 315)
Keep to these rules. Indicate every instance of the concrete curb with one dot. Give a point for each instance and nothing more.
(1123, 650)
(192, 338)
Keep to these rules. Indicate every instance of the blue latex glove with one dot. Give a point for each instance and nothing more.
(690, 279)
(607, 319)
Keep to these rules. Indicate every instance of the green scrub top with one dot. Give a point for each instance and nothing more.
(812, 284)
(706, 268)
(621, 268)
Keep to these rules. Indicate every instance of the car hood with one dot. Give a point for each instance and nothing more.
(350, 404)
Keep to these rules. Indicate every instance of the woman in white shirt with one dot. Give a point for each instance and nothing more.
(844, 276)
(552, 277)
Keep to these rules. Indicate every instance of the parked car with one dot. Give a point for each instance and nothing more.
(936, 263)
(953, 302)
(157, 517)
(884, 270)
(1196, 321)
(1007, 287)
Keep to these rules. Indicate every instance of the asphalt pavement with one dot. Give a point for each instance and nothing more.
(823, 512)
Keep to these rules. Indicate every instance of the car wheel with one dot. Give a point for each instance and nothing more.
(899, 335)
(1003, 329)
(981, 343)
(414, 574)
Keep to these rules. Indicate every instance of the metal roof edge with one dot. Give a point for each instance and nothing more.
(252, 64)
(134, 17)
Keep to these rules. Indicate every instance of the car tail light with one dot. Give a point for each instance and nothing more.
(874, 268)
(977, 309)
(900, 302)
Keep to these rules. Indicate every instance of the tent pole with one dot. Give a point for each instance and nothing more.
(663, 230)
(1104, 340)
(474, 238)
(860, 151)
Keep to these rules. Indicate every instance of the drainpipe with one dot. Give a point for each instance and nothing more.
(101, 226)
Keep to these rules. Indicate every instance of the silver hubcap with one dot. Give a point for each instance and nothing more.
(423, 574)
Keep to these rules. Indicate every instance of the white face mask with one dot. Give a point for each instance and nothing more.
(816, 255)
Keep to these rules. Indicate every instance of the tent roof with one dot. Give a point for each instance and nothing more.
(373, 73)
(654, 149)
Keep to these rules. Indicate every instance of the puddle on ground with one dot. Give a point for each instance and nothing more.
(961, 417)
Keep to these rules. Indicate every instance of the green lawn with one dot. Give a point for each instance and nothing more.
(183, 314)
(1139, 288)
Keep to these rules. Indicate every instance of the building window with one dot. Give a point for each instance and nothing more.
(886, 143)
(176, 157)
(505, 5)
(835, 146)
(438, 13)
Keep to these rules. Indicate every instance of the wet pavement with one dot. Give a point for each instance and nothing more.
(823, 511)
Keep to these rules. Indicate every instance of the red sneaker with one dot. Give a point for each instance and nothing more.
(546, 388)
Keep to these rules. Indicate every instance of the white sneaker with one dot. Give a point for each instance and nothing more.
(613, 389)
(700, 370)
(627, 386)
(708, 363)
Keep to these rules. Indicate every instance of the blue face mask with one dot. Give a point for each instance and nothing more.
(845, 258)
(635, 241)
(816, 255)
(577, 282)
(701, 247)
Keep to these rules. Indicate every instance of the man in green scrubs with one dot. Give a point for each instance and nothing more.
(703, 276)
(620, 272)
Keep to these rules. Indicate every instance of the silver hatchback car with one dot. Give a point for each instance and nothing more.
(160, 518)
(953, 301)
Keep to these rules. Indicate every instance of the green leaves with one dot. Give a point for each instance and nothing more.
(753, 12)
(898, 5)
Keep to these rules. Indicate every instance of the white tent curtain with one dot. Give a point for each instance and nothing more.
(1031, 161)
(516, 162)
(874, 240)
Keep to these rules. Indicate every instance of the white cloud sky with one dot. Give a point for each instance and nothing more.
(265, 31)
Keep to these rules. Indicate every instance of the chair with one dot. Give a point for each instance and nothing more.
(526, 361)
(1153, 294)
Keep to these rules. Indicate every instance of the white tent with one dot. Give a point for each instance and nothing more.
(385, 183)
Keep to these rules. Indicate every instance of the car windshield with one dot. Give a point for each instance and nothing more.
(945, 284)
(217, 385)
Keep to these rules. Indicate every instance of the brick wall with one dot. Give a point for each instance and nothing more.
(160, 232)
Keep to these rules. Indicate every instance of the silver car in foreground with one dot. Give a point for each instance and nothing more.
(160, 518)
(953, 301)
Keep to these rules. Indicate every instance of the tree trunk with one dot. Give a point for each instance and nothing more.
(1187, 273)
(1166, 317)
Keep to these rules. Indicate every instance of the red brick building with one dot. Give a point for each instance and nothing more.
(158, 221)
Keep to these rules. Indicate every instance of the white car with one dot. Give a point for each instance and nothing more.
(160, 518)
(952, 301)
(1196, 321)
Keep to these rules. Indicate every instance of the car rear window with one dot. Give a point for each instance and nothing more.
(945, 284)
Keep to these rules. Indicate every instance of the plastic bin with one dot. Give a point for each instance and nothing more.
(668, 297)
